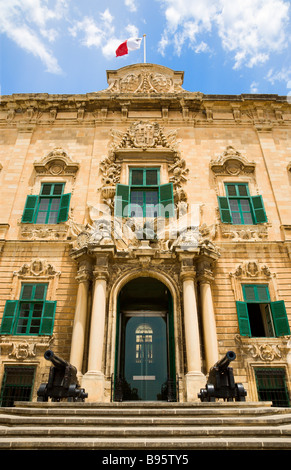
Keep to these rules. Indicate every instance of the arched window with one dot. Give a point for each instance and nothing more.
(144, 344)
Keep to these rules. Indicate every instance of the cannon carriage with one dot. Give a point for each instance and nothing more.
(62, 382)
(221, 383)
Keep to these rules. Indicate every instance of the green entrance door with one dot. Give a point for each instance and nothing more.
(145, 352)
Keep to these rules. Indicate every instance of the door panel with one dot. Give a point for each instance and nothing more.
(145, 351)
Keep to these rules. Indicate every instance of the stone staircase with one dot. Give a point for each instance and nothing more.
(145, 426)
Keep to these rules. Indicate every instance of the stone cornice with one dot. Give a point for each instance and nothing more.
(144, 87)
(46, 101)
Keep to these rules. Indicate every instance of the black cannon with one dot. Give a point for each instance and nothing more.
(221, 384)
(62, 382)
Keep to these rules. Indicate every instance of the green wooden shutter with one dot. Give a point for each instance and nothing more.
(48, 318)
(243, 318)
(64, 207)
(224, 208)
(29, 209)
(259, 209)
(262, 293)
(121, 207)
(280, 318)
(256, 293)
(166, 199)
(8, 317)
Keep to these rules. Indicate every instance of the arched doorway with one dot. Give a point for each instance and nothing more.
(145, 351)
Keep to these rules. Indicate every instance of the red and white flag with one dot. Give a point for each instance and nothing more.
(130, 44)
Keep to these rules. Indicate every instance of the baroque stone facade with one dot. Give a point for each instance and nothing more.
(205, 151)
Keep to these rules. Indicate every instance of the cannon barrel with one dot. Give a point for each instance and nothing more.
(225, 361)
(57, 361)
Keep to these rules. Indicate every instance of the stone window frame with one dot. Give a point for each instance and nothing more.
(232, 167)
(55, 167)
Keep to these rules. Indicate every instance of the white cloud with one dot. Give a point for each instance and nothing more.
(132, 31)
(92, 34)
(26, 23)
(98, 34)
(283, 75)
(130, 5)
(254, 87)
(202, 47)
(253, 29)
(249, 29)
(106, 17)
(101, 34)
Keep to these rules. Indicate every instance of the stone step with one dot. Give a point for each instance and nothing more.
(150, 444)
(144, 426)
(128, 431)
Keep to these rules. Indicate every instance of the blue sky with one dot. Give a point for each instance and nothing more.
(223, 46)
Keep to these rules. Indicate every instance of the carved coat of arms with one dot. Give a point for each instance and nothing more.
(144, 134)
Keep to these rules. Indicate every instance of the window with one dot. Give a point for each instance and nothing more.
(271, 386)
(238, 207)
(32, 314)
(144, 196)
(144, 344)
(50, 207)
(17, 385)
(258, 316)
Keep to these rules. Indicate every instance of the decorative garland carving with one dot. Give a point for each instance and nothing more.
(145, 82)
(40, 232)
(262, 349)
(21, 349)
(239, 233)
(37, 268)
(252, 268)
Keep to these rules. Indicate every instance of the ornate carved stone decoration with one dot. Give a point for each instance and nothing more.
(40, 232)
(143, 136)
(240, 233)
(145, 79)
(232, 163)
(37, 268)
(21, 349)
(254, 271)
(264, 349)
(252, 268)
(56, 163)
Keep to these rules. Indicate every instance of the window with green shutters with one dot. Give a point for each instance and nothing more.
(258, 316)
(144, 196)
(51, 206)
(32, 314)
(238, 207)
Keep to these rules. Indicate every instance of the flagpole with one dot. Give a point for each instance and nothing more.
(144, 48)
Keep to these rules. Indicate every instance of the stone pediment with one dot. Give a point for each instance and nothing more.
(232, 163)
(57, 162)
(145, 79)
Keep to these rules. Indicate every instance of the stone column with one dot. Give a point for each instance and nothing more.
(194, 377)
(93, 380)
(80, 320)
(208, 317)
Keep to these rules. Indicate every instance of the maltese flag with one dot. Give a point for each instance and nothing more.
(130, 44)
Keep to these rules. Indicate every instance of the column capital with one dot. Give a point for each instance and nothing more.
(83, 276)
(100, 273)
(188, 274)
(84, 273)
(205, 271)
(205, 276)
